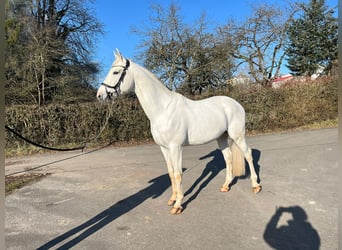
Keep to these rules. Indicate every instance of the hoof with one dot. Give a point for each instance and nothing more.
(176, 210)
(171, 202)
(256, 189)
(224, 189)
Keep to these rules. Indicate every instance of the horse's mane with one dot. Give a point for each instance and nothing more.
(154, 76)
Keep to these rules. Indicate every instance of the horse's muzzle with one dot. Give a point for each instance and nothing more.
(101, 94)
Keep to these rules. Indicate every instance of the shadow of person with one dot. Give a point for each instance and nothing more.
(298, 234)
(212, 168)
(79, 233)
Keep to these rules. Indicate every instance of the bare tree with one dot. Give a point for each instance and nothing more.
(185, 56)
(53, 48)
(259, 41)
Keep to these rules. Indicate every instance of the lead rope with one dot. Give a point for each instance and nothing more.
(108, 115)
(84, 144)
(40, 145)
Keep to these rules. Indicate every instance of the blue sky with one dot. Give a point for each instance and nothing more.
(118, 17)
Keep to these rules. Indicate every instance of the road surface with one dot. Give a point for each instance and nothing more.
(115, 198)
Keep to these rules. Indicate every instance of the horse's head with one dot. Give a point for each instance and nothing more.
(117, 80)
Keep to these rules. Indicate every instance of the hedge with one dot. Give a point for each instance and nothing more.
(267, 109)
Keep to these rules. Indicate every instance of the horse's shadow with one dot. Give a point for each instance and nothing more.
(158, 186)
(212, 169)
(81, 232)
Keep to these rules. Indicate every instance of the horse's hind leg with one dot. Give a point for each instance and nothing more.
(222, 142)
(241, 142)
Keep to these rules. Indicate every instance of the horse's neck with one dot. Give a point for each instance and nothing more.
(152, 94)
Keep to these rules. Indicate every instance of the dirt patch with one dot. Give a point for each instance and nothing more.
(17, 181)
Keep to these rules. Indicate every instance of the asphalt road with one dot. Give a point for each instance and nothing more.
(115, 198)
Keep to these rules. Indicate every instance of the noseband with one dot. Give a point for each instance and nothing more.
(116, 87)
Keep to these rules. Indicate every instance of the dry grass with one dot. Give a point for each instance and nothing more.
(15, 182)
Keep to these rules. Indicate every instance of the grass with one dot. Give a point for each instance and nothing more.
(333, 123)
(322, 124)
(17, 181)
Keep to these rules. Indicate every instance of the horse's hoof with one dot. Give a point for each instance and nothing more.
(171, 202)
(256, 189)
(176, 210)
(224, 189)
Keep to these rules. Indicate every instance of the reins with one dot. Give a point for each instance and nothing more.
(109, 114)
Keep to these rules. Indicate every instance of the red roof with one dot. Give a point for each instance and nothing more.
(283, 78)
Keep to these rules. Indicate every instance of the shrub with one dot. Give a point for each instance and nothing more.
(267, 109)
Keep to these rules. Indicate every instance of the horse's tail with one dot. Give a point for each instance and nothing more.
(238, 160)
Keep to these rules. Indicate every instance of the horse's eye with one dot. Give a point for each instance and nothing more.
(115, 72)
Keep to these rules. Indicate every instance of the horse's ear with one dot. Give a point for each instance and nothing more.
(117, 54)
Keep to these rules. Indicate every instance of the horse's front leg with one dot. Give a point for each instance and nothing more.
(166, 155)
(177, 207)
(173, 197)
(176, 160)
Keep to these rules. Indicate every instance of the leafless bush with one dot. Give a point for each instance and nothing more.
(267, 110)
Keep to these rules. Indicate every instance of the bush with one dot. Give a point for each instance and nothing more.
(69, 125)
(296, 105)
(59, 125)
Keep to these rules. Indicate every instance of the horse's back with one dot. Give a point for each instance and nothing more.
(213, 116)
(229, 106)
